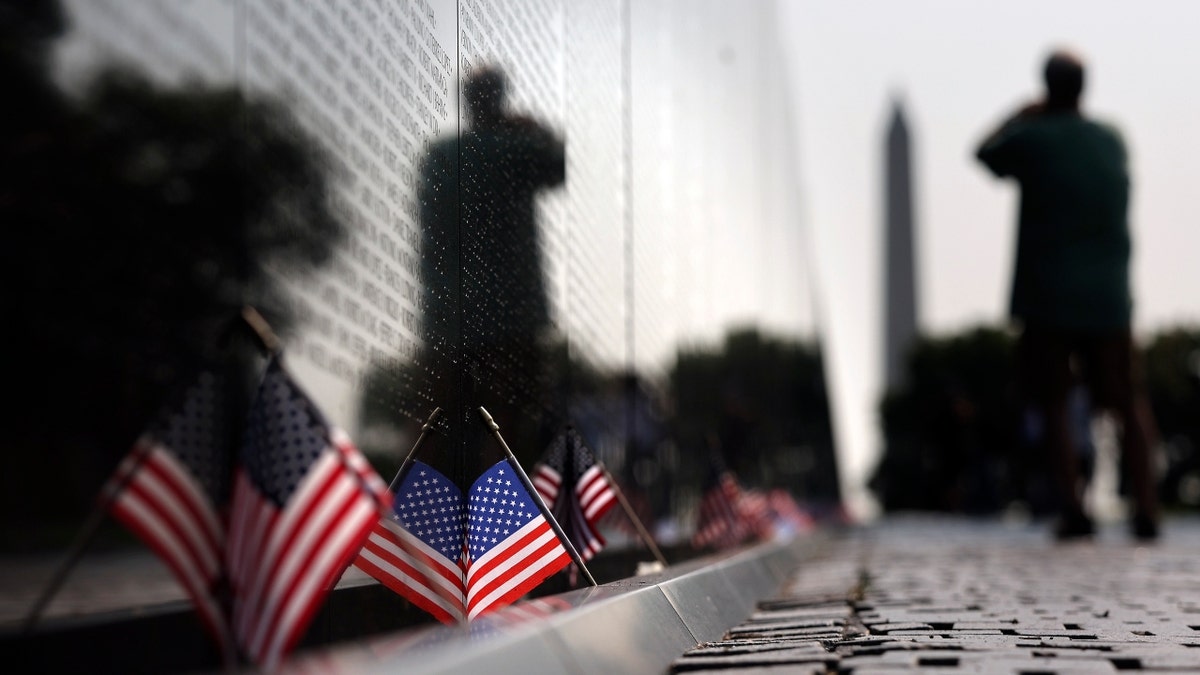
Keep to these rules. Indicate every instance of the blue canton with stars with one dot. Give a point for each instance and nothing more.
(284, 436)
(498, 506)
(429, 506)
(197, 432)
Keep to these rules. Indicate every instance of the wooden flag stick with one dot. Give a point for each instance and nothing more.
(537, 497)
(633, 518)
(84, 538)
(267, 338)
(407, 463)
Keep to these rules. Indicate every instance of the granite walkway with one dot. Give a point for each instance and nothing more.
(953, 596)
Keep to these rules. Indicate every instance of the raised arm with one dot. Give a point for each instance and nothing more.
(999, 151)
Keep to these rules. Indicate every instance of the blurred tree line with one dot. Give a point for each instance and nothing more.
(956, 432)
(140, 219)
(755, 402)
(760, 403)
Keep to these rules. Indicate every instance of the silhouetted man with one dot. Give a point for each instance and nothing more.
(485, 311)
(1070, 289)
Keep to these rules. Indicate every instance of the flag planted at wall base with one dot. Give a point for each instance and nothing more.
(459, 559)
(510, 546)
(168, 491)
(303, 503)
(257, 536)
(577, 490)
(720, 522)
(417, 549)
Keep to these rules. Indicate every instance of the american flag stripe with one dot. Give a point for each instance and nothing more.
(507, 553)
(150, 504)
(247, 531)
(541, 563)
(358, 463)
(278, 529)
(325, 563)
(150, 529)
(719, 523)
(592, 541)
(235, 552)
(513, 568)
(411, 584)
(176, 479)
(322, 493)
(547, 482)
(166, 487)
(534, 554)
(161, 505)
(303, 575)
(596, 496)
(391, 538)
(756, 512)
(406, 565)
(297, 564)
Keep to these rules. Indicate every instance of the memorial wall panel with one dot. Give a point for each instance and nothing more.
(537, 206)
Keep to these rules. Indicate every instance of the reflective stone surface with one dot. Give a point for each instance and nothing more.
(555, 210)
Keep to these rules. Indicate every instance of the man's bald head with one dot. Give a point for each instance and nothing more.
(1063, 75)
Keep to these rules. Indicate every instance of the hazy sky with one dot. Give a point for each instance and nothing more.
(958, 68)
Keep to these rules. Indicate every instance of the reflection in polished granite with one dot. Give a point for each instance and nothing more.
(284, 160)
(624, 262)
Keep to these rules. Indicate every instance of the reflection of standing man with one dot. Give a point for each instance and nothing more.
(485, 306)
(1071, 285)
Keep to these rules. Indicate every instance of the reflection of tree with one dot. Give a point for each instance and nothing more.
(764, 400)
(951, 431)
(139, 220)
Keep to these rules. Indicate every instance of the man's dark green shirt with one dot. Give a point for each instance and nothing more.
(1073, 241)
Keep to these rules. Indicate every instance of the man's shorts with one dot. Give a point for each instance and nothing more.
(1050, 361)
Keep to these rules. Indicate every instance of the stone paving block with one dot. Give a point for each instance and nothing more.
(986, 625)
(805, 633)
(777, 669)
(1006, 664)
(820, 613)
(764, 624)
(944, 632)
(886, 627)
(802, 657)
(751, 646)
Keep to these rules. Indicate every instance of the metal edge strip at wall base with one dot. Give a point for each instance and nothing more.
(635, 625)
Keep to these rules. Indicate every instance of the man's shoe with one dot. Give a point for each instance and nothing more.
(1145, 528)
(1075, 525)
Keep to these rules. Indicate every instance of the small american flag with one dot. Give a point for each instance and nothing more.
(510, 546)
(303, 502)
(167, 491)
(719, 523)
(754, 507)
(587, 496)
(792, 517)
(417, 550)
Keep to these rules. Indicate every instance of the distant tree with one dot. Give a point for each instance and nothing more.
(954, 434)
(1172, 362)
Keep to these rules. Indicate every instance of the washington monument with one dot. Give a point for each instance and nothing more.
(899, 292)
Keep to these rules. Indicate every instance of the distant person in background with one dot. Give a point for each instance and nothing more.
(1071, 293)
